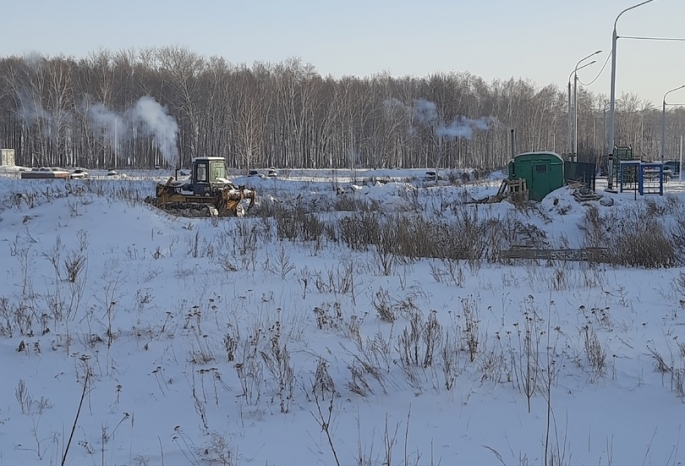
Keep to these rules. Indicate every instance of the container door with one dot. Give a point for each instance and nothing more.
(540, 185)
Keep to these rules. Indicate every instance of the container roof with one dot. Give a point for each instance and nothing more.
(538, 153)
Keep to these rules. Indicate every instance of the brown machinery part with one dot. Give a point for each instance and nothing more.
(231, 198)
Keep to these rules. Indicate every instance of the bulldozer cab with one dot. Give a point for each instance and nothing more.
(208, 174)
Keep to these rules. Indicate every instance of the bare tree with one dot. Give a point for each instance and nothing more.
(287, 115)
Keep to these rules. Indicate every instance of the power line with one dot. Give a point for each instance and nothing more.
(670, 39)
(673, 39)
(598, 74)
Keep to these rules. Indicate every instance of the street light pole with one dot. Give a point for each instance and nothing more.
(575, 102)
(570, 144)
(663, 123)
(612, 104)
(575, 114)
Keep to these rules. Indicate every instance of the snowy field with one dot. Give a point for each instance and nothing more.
(304, 334)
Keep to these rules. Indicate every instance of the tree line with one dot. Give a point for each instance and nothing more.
(164, 106)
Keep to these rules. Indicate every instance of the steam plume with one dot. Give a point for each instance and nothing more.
(426, 113)
(147, 118)
(154, 120)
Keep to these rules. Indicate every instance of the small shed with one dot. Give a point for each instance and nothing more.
(543, 172)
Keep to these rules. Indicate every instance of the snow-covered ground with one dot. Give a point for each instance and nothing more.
(131, 337)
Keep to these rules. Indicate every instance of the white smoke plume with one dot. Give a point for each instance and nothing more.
(107, 125)
(154, 120)
(425, 113)
(392, 105)
(31, 111)
(146, 118)
(463, 127)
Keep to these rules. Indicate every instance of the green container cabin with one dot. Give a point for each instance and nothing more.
(543, 171)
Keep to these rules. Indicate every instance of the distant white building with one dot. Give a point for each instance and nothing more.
(7, 157)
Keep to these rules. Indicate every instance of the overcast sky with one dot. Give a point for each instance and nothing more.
(538, 40)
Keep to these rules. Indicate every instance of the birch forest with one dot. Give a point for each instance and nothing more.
(164, 106)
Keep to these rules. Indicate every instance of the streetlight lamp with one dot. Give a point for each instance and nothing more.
(663, 123)
(575, 101)
(570, 116)
(614, 38)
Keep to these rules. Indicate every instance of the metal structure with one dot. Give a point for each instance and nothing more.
(628, 174)
(612, 99)
(641, 177)
(581, 172)
(622, 153)
(650, 179)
